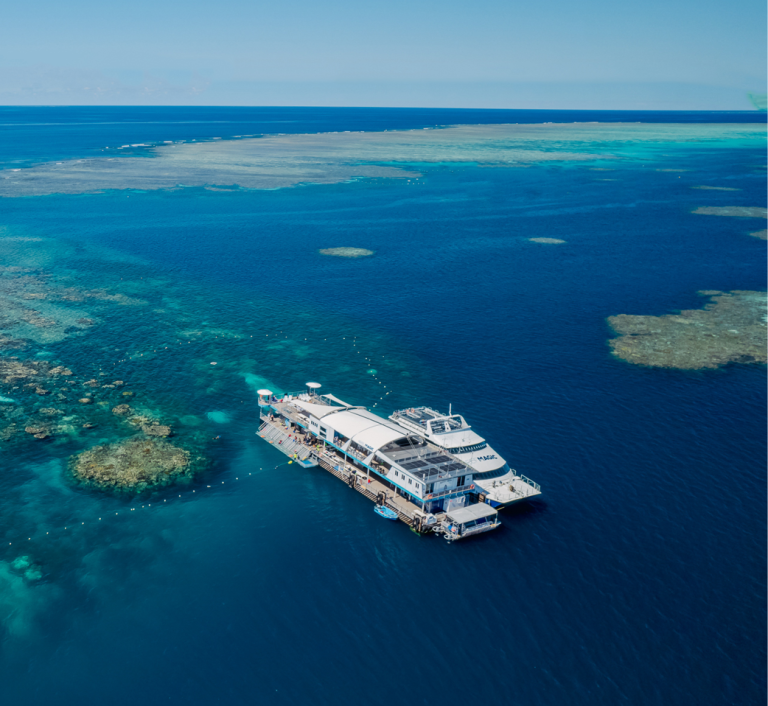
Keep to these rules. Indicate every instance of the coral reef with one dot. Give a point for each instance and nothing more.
(25, 567)
(731, 328)
(133, 465)
(347, 252)
(761, 234)
(733, 211)
(552, 241)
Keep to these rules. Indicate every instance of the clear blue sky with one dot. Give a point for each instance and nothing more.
(484, 53)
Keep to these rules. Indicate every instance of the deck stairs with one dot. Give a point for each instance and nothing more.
(281, 440)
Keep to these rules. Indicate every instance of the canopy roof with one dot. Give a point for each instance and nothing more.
(333, 398)
(365, 428)
(471, 512)
(376, 437)
(316, 410)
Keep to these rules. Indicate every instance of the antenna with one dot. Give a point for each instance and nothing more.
(449, 410)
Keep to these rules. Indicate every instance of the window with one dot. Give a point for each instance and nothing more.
(467, 449)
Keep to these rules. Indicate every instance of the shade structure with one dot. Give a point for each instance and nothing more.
(313, 385)
(264, 393)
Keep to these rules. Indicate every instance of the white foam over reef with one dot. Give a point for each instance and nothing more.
(218, 417)
(257, 382)
(278, 161)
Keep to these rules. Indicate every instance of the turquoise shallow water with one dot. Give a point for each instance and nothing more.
(638, 578)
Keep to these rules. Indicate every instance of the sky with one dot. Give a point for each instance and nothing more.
(591, 54)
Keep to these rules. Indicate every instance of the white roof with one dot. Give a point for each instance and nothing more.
(336, 399)
(471, 512)
(351, 422)
(314, 385)
(365, 428)
(316, 410)
(264, 392)
(378, 436)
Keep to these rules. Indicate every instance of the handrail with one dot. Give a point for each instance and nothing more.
(449, 491)
(530, 482)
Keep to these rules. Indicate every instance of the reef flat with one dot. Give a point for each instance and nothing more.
(733, 211)
(279, 161)
(346, 252)
(552, 241)
(730, 329)
(761, 234)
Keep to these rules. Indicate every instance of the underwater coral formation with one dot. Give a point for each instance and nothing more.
(730, 329)
(346, 252)
(135, 465)
(733, 211)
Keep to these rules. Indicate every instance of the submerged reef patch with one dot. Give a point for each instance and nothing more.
(133, 465)
(218, 417)
(730, 329)
(23, 597)
(551, 241)
(761, 234)
(733, 211)
(716, 188)
(346, 252)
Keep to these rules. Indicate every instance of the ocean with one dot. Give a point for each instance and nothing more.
(639, 575)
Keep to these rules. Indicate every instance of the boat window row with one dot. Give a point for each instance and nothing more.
(467, 449)
(403, 477)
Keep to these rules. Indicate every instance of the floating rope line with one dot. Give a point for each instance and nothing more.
(74, 525)
(133, 357)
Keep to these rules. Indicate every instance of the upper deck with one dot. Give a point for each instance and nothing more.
(430, 420)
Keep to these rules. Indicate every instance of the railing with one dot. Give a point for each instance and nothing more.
(293, 395)
(450, 491)
(533, 484)
(476, 529)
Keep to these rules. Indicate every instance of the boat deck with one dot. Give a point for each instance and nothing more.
(519, 489)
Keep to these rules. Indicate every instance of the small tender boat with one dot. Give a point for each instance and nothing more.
(385, 512)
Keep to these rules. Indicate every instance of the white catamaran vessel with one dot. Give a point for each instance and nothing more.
(499, 485)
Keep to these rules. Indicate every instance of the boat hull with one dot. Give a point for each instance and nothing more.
(386, 513)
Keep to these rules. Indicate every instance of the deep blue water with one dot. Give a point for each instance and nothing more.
(639, 578)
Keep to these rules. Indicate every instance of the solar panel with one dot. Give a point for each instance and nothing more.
(439, 459)
(452, 467)
(413, 464)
